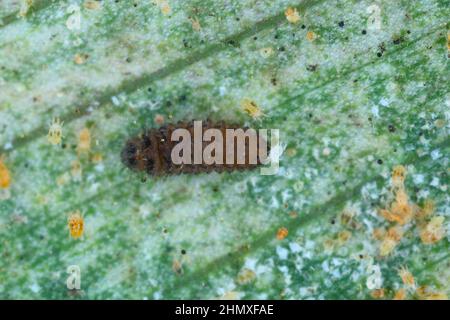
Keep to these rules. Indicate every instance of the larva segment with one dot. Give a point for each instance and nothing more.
(151, 151)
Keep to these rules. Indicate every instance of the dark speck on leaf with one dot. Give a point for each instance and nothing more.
(379, 161)
(398, 40)
(391, 128)
(311, 67)
(232, 42)
(341, 24)
(364, 32)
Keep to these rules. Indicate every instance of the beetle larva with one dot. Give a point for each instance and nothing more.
(153, 150)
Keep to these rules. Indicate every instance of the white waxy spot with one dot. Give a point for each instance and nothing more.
(435, 182)
(418, 178)
(157, 295)
(144, 210)
(325, 266)
(423, 194)
(222, 90)
(115, 101)
(35, 288)
(294, 247)
(375, 111)
(384, 102)
(250, 264)
(435, 154)
(282, 253)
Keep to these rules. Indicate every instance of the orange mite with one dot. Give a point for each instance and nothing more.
(310, 36)
(76, 224)
(426, 210)
(400, 211)
(377, 293)
(398, 176)
(390, 241)
(84, 141)
(400, 294)
(282, 233)
(434, 231)
(5, 176)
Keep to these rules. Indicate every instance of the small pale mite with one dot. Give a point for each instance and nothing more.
(150, 151)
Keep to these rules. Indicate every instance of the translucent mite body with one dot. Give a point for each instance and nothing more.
(54, 135)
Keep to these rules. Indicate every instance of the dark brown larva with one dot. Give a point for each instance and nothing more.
(151, 151)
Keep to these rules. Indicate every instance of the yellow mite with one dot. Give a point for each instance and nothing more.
(76, 224)
(251, 108)
(292, 15)
(5, 176)
(54, 135)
